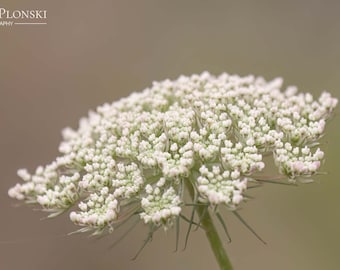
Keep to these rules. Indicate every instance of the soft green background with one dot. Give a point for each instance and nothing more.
(93, 52)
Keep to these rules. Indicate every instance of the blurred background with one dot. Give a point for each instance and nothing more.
(92, 52)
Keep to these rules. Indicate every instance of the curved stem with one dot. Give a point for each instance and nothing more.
(211, 233)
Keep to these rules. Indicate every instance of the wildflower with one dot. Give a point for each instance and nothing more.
(137, 155)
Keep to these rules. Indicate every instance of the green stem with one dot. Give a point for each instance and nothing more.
(211, 233)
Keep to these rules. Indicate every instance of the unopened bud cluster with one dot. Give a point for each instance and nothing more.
(137, 155)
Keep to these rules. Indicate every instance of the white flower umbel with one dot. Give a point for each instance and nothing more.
(136, 155)
(160, 204)
(221, 187)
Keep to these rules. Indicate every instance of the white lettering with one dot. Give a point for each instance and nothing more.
(32, 14)
(2, 12)
(40, 14)
(22, 14)
(16, 14)
(6, 23)
(19, 14)
(25, 14)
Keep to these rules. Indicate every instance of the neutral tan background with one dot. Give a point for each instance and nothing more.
(93, 52)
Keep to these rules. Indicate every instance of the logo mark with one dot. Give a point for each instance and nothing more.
(22, 17)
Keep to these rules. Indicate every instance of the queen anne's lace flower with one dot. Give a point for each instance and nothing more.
(136, 155)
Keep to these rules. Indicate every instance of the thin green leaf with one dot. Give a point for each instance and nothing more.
(191, 221)
(224, 226)
(201, 217)
(247, 225)
(147, 240)
(124, 234)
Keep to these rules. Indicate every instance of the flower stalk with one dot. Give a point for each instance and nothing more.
(214, 240)
(211, 233)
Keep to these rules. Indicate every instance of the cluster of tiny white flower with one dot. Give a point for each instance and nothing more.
(210, 132)
(221, 187)
(160, 204)
(98, 211)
